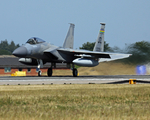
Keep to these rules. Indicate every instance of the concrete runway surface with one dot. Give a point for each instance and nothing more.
(112, 79)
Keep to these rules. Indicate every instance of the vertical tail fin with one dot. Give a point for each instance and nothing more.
(68, 43)
(99, 45)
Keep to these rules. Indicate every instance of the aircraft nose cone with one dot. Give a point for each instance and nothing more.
(20, 52)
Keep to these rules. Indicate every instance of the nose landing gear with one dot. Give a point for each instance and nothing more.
(39, 73)
(40, 65)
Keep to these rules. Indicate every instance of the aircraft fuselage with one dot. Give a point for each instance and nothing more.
(37, 52)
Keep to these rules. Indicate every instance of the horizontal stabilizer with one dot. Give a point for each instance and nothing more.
(115, 57)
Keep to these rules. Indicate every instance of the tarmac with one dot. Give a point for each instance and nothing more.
(112, 79)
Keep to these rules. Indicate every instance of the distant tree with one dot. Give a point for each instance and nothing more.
(116, 49)
(17, 45)
(4, 52)
(140, 52)
(6, 48)
(90, 46)
(107, 48)
(12, 46)
(4, 45)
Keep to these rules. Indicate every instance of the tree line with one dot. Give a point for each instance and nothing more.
(7, 48)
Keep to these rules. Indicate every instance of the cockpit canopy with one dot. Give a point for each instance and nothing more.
(35, 40)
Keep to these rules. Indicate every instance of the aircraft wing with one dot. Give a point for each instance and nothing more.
(83, 53)
(103, 55)
(50, 52)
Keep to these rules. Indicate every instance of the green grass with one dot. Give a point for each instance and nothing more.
(75, 102)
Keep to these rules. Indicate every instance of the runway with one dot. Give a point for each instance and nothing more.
(112, 79)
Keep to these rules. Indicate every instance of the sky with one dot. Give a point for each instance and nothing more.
(127, 21)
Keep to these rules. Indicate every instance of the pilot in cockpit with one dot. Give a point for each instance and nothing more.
(35, 40)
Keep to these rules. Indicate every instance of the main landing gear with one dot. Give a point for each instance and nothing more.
(49, 72)
(74, 71)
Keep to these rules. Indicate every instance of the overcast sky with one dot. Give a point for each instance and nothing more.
(127, 21)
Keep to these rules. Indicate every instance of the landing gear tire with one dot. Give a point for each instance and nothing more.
(75, 72)
(49, 72)
(39, 73)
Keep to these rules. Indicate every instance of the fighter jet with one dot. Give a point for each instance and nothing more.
(38, 52)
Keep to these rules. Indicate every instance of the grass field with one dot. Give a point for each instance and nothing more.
(75, 102)
(108, 68)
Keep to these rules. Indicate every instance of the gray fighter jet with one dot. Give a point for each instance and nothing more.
(37, 52)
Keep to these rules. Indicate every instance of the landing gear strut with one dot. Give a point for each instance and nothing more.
(74, 71)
